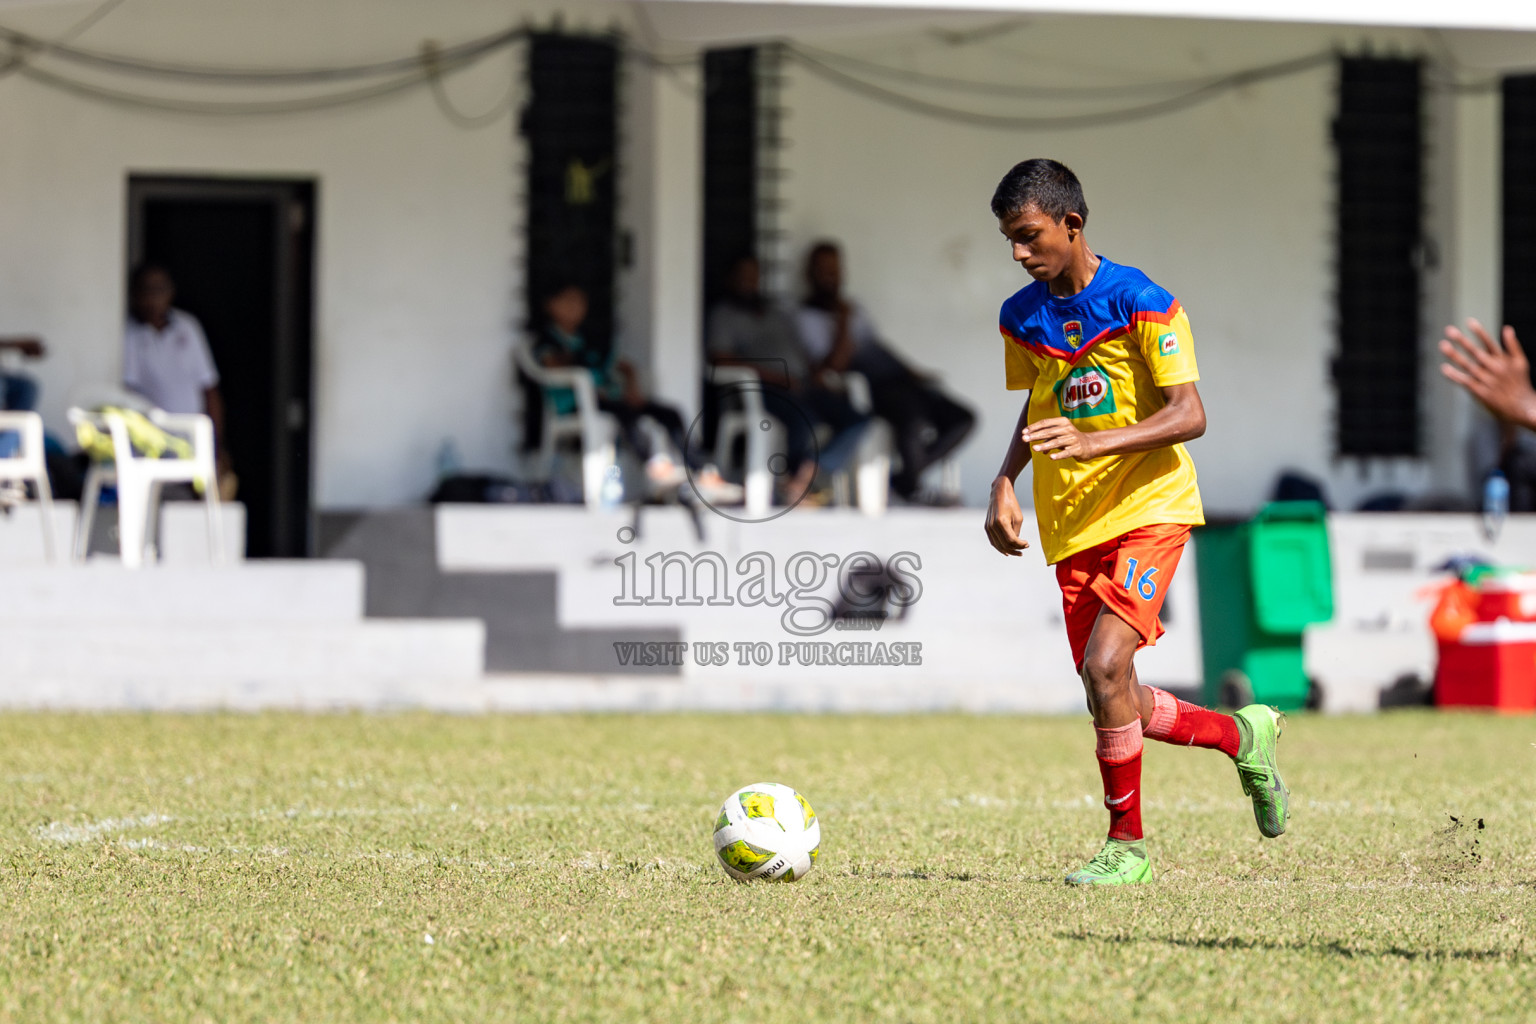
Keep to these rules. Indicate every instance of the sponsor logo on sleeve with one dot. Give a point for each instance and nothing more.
(1085, 392)
(1168, 344)
(1072, 331)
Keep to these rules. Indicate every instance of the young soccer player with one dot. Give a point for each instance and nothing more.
(1109, 363)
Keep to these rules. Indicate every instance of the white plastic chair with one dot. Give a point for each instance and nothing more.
(871, 463)
(872, 460)
(139, 481)
(29, 465)
(746, 385)
(595, 431)
(949, 478)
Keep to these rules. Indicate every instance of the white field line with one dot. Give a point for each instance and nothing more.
(58, 832)
(61, 832)
(72, 834)
(117, 827)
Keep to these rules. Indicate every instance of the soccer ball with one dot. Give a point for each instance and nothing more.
(766, 830)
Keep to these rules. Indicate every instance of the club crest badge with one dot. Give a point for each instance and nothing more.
(1073, 331)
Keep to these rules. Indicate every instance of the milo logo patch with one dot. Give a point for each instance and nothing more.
(1085, 392)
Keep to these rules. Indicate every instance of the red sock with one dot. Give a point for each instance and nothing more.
(1119, 753)
(1175, 721)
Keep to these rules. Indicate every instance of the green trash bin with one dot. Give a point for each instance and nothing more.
(1261, 584)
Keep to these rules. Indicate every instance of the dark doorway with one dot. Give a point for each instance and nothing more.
(242, 256)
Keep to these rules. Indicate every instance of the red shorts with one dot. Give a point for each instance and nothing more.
(1129, 575)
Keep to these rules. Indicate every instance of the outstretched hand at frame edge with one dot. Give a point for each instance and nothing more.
(1496, 373)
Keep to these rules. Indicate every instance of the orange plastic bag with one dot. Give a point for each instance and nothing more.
(1454, 612)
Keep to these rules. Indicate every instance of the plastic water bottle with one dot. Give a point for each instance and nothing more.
(1495, 504)
(612, 494)
(447, 459)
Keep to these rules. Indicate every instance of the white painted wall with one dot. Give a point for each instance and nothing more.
(661, 200)
(1228, 204)
(419, 261)
(419, 234)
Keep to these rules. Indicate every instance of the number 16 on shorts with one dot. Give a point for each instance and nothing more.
(1145, 584)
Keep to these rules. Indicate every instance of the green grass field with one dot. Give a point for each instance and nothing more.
(231, 868)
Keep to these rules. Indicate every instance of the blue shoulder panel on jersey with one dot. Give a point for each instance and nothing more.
(1116, 299)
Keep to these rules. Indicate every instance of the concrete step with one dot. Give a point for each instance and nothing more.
(885, 693)
(398, 549)
(504, 538)
(174, 596)
(55, 693)
(980, 616)
(183, 533)
(21, 533)
(63, 665)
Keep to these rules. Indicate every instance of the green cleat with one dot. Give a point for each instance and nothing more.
(1121, 862)
(1258, 728)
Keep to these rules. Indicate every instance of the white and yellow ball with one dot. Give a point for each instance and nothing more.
(767, 831)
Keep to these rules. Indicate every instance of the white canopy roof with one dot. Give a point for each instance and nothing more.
(749, 15)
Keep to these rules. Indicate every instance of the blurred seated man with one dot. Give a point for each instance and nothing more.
(836, 332)
(746, 329)
(18, 391)
(560, 343)
(166, 357)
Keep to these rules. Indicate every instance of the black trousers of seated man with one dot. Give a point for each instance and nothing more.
(801, 411)
(668, 418)
(912, 407)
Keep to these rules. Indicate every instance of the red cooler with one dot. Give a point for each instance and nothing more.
(1491, 665)
(1507, 597)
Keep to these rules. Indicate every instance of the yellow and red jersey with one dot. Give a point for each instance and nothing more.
(1100, 358)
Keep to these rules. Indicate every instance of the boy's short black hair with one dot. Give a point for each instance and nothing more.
(559, 286)
(1048, 185)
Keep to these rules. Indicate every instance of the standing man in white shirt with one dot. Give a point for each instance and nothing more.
(165, 353)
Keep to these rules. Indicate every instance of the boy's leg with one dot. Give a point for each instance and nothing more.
(1129, 580)
(1133, 582)
(1175, 721)
(1247, 737)
(1110, 681)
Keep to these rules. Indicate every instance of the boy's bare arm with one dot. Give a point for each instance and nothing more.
(1004, 517)
(1181, 419)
